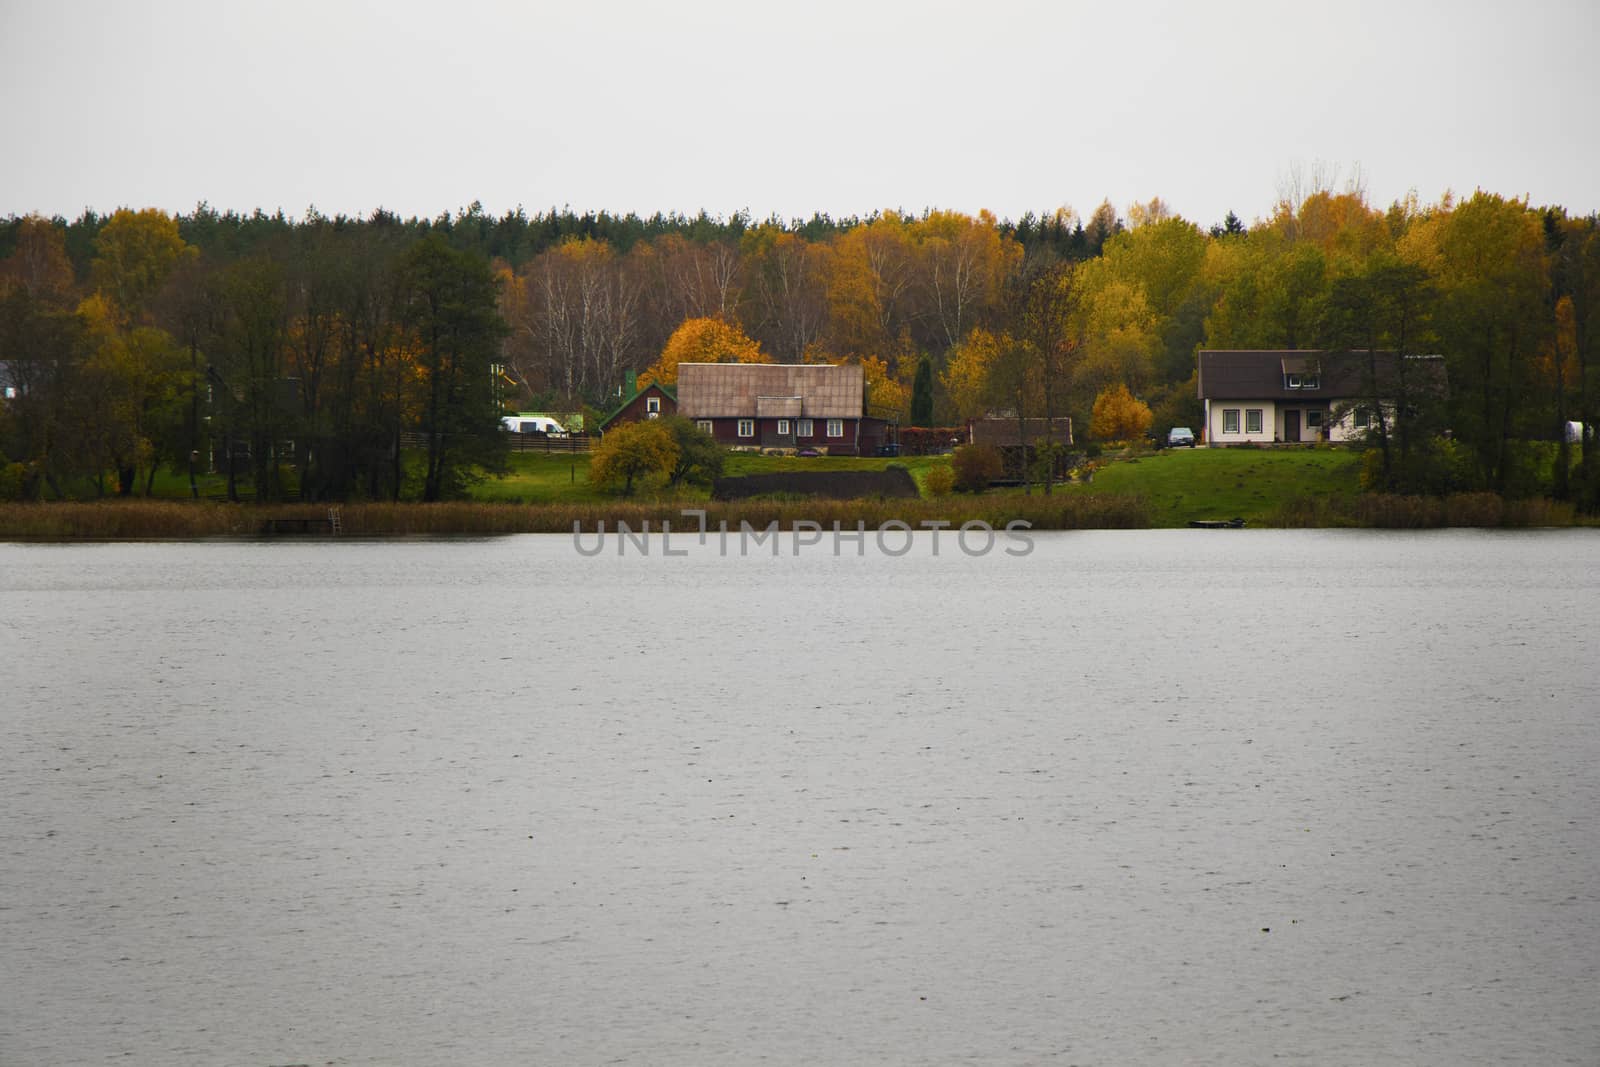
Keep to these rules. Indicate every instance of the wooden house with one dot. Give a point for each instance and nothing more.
(782, 406)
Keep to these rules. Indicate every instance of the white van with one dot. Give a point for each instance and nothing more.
(533, 424)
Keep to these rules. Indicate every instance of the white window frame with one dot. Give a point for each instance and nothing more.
(1313, 419)
(835, 427)
(705, 426)
(1310, 382)
(783, 427)
(653, 404)
(1253, 420)
(1293, 382)
(747, 427)
(1230, 420)
(803, 428)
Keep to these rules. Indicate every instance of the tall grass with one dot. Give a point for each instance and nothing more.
(125, 520)
(171, 520)
(1387, 511)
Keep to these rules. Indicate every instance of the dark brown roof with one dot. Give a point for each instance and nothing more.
(1261, 374)
(1001, 431)
(732, 390)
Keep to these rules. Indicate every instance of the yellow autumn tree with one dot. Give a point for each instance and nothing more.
(702, 341)
(884, 392)
(1118, 416)
(871, 282)
(634, 450)
(134, 253)
(966, 377)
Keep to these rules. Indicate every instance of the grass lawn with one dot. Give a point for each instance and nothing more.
(1178, 484)
(564, 479)
(1223, 483)
(539, 478)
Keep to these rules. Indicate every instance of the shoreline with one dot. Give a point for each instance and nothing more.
(167, 520)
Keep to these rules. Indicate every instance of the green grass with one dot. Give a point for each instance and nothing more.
(544, 479)
(1225, 483)
(535, 478)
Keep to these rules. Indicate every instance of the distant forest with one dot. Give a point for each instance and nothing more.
(311, 347)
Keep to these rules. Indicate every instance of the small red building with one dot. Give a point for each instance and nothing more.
(654, 401)
(781, 405)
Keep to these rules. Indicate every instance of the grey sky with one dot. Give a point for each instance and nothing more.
(834, 106)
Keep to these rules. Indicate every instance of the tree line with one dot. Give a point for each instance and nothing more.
(329, 339)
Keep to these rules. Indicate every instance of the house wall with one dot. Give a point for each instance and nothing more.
(1216, 420)
(1346, 430)
(1273, 414)
(726, 432)
(637, 408)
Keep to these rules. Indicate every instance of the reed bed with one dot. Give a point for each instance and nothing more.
(128, 520)
(1387, 511)
(135, 520)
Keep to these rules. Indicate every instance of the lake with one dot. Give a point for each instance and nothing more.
(1187, 797)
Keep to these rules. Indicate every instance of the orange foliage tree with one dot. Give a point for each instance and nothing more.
(702, 341)
(1118, 416)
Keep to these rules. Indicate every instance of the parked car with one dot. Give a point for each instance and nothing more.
(1180, 437)
(890, 449)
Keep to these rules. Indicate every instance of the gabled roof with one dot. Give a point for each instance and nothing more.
(740, 390)
(1262, 374)
(1001, 430)
(670, 392)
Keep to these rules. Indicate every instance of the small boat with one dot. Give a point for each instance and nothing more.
(1217, 524)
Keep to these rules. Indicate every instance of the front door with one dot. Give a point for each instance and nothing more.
(1291, 425)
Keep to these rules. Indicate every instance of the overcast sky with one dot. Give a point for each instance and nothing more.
(838, 106)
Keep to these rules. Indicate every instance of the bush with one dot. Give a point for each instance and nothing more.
(1118, 416)
(636, 450)
(11, 480)
(939, 480)
(976, 466)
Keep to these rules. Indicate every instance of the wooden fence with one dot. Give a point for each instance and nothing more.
(523, 442)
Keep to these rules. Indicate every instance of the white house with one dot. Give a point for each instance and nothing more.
(1267, 396)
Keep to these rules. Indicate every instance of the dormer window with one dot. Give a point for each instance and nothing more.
(1301, 372)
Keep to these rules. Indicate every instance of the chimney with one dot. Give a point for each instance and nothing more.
(630, 384)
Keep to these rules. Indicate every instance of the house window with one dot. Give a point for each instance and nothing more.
(747, 427)
(1309, 382)
(703, 425)
(803, 428)
(653, 405)
(1363, 418)
(835, 427)
(1252, 420)
(1313, 419)
(1294, 381)
(783, 427)
(1230, 420)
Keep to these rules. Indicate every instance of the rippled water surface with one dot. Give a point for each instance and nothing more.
(1159, 797)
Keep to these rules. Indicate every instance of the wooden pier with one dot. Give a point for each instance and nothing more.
(328, 524)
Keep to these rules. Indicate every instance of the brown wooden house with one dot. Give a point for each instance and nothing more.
(1018, 440)
(782, 406)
